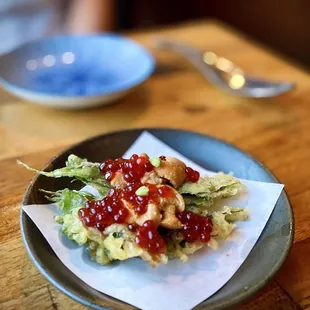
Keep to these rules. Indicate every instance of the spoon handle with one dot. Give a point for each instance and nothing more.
(194, 56)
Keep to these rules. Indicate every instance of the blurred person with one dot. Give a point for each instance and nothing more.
(26, 20)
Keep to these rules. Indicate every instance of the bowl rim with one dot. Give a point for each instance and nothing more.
(117, 88)
(241, 297)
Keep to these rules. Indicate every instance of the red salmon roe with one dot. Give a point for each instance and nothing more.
(132, 227)
(163, 158)
(192, 175)
(166, 192)
(149, 238)
(195, 227)
(133, 169)
(111, 209)
(140, 203)
(102, 213)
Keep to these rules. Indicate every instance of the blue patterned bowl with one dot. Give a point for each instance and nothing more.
(75, 71)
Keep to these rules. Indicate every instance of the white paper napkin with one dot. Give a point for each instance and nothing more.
(176, 285)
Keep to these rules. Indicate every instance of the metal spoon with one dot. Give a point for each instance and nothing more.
(223, 74)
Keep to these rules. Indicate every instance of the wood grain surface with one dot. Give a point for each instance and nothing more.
(275, 131)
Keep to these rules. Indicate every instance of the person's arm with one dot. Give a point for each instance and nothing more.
(88, 16)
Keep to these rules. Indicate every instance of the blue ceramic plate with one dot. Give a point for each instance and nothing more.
(260, 266)
(75, 71)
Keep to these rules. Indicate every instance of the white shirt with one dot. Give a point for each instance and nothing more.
(26, 20)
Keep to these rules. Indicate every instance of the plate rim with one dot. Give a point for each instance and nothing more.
(241, 297)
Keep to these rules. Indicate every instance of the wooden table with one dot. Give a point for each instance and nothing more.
(275, 131)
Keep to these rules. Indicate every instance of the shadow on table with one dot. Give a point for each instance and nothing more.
(64, 125)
